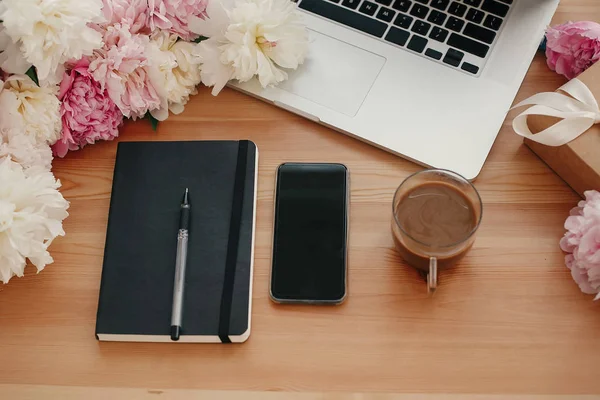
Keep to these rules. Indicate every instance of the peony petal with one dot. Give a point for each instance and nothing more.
(216, 20)
(160, 114)
(176, 108)
(268, 73)
(213, 72)
(11, 58)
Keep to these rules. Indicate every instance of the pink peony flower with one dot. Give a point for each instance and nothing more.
(123, 69)
(172, 15)
(134, 13)
(88, 114)
(582, 240)
(573, 47)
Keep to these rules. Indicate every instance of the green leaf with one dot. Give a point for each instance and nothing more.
(153, 121)
(201, 38)
(31, 72)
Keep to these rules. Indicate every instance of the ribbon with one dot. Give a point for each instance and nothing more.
(578, 113)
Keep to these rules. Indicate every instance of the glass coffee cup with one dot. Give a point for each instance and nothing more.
(436, 214)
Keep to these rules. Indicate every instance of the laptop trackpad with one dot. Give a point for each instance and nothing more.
(335, 74)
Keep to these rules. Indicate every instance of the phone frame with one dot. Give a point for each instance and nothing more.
(346, 239)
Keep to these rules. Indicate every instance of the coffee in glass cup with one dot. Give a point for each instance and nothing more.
(436, 214)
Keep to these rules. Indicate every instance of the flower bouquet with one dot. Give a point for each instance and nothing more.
(71, 71)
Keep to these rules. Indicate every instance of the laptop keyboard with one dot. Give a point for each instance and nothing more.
(456, 33)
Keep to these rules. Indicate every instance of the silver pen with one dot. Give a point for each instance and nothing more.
(180, 264)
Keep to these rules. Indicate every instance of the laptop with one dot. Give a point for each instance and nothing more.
(428, 80)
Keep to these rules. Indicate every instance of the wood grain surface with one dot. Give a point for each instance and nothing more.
(508, 320)
(33, 392)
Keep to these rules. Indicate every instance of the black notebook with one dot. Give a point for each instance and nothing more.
(136, 291)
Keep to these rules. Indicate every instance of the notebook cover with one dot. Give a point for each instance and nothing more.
(139, 260)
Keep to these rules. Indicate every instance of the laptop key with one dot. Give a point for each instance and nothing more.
(453, 57)
(384, 2)
(495, 7)
(419, 11)
(469, 68)
(440, 4)
(437, 17)
(479, 33)
(351, 3)
(385, 14)
(439, 34)
(507, 1)
(421, 27)
(436, 55)
(473, 3)
(368, 8)
(457, 9)
(475, 15)
(417, 43)
(403, 21)
(402, 5)
(344, 16)
(455, 24)
(423, 1)
(397, 36)
(493, 22)
(467, 45)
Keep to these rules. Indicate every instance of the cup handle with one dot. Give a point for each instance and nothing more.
(432, 277)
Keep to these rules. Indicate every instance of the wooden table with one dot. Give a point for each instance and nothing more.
(508, 320)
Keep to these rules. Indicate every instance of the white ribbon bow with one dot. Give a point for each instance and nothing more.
(578, 113)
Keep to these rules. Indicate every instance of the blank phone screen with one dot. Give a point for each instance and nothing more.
(309, 246)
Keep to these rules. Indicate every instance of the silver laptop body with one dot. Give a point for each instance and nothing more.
(428, 80)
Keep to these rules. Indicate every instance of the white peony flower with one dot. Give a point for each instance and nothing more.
(31, 215)
(23, 149)
(36, 109)
(46, 34)
(178, 64)
(255, 37)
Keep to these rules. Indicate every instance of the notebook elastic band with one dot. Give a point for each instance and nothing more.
(235, 226)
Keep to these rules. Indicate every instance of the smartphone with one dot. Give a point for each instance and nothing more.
(310, 234)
